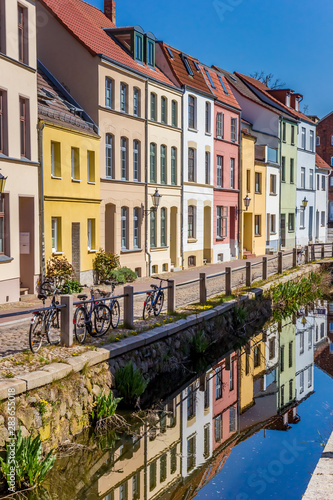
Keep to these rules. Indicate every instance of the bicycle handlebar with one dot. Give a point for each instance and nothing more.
(160, 279)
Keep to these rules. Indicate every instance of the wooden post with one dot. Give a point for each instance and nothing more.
(306, 254)
(203, 288)
(248, 274)
(264, 268)
(294, 257)
(128, 307)
(313, 253)
(332, 249)
(228, 281)
(323, 251)
(66, 335)
(171, 296)
(280, 263)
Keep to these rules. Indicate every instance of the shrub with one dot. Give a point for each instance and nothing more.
(240, 315)
(30, 467)
(130, 383)
(199, 343)
(59, 270)
(71, 286)
(123, 275)
(104, 407)
(104, 263)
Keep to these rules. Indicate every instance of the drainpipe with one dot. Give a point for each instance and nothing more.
(41, 180)
(280, 135)
(148, 267)
(240, 216)
(182, 184)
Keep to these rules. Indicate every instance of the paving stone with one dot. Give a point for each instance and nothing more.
(19, 386)
(36, 379)
(58, 370)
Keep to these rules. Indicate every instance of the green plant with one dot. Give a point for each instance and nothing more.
(199, 343)
(123, 275)
(130, 383)
(59, 270)
(104, 407)
(240, 315)
(71, 286)
(104, 263)
(30, 467)
(42, 406)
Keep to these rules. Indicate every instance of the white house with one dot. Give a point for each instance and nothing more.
(304, 352)
(323, 171)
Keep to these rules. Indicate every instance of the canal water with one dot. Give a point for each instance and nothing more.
(251, 426)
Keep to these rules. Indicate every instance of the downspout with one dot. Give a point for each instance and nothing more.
(182, 184)
(238, 211)
(280, 135)
(148, 266)
(42, 225)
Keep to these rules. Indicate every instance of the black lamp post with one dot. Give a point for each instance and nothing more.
(305, 202)
(247, 202)
(2, 184)
(156, 197)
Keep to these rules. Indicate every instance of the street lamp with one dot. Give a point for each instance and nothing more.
(2, 184)
(156, 197)
(305, 202)
(247, 202)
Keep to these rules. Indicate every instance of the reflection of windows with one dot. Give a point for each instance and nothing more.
(191, 449)
(310, 376)
(163, 468)
(282, 395)
(232, 419)
(256, 354)
(173, 460)
(218, 382)
(301, 382)
(301, 343)
(309, 339)
(290, 390)
(322, 330)
(206, 440)
(231, 376)
(290, 354)
(191, 402)
(218, 428)
(152, 475)
(271, 348)
(207, 393)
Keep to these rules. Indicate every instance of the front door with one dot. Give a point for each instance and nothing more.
(27, 246)
(283, 230)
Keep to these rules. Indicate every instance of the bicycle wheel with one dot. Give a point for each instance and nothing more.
(80, 325)
(115, 313)
(148, 307)
(102, 320)
(36, 333)
(53, 328)
(159, 304)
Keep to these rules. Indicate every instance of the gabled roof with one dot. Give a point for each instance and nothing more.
(225, 94)
(266, 91)
(88, 25)
(320, 163)
(56, 106)
(196, 81)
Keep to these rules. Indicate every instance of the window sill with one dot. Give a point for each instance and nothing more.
(219, 138)
(273, 234)
(76, 180)
(220, 238)
(55, 177)
(130, 250)
(302, 227)
(92, 183)
(91, 250)
(208, 133)
(257, 192)
(257, 235)
(291, 230)
(157, 249)
(192, 130)
(57, 253)
(5, 258)
(273, 194)
(191, 240)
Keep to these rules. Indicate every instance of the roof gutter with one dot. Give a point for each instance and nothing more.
(145, 213)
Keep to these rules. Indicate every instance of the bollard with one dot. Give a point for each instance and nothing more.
(128, 307)
(66, 320)
(248, 274)
(313, 253)
(294, 257)
(203, 288)
(306, 255)
(323, 251)
(264, 268)
(171, 296)
(228, 281)
(280, 268)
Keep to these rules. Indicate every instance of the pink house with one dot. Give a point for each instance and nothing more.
(227, 114)
(225, 398)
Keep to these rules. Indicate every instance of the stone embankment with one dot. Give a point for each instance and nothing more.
(321, 484)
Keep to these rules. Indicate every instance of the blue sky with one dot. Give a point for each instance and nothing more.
(289, 39)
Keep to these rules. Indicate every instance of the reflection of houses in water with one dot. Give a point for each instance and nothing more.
(197, 407)
(319, 314)
(286, 369)
(324, 352)
(304, 352)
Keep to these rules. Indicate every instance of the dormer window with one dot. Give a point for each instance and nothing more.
(187, 65)
(288, 100)
(150, 52)
(138, 50)
(297, 104)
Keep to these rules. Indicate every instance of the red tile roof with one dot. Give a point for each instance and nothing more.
(266, 91)
(197, 81)
(218, 91)
(320, 163)
(86, 23)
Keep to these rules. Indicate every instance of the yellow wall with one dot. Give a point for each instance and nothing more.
(249, 241)
(72, 201)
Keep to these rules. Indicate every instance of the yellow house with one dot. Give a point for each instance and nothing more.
(70, 178)
(252, 367)
(253, 186)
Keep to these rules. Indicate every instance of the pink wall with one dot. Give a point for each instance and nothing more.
(226, 196)
(229, 398)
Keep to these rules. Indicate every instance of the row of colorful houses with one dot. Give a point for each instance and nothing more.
(110, 138)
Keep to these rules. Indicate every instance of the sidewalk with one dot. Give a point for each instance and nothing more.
(140, 285)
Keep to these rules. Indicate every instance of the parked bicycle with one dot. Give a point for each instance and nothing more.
(154, 300)
(113, 304)
(45, 324)
(93, 317)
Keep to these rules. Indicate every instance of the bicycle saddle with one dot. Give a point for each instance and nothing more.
(82, 297)
(42, 296)
(154, 286)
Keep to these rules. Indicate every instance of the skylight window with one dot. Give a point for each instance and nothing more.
(210, 78)
(233, 78)
(223, 86)
(187, 65)
(196, 65)
(169, 52)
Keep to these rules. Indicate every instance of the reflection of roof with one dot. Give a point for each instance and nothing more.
(88, 25)
(57, 106)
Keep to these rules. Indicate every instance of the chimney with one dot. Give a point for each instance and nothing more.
(110, 10)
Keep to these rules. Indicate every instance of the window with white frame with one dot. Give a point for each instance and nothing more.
(123, 158)
(108, 93)
(302, 177)
(219, 171)
(124, 228)
(153, 177)
(218, 383)
(312, 146)
(207, 167)
(232, 173)
(192, 112)
(174, 114)
(309, 377)
(208, 118)
(273, 224)
(153, 107)
(163, 227)
(233, 129)
(153, 242)
(303, 138)
(164, 110)
(91, 234)
(311, 178)
(55, 157)
(136, 227)
(123, 97)
(109, 156)
(192, 221)
(221, 222)
(257, 225)
(191, 165)
(291, 222)
(219, 125)
(232, 419)
(323, 183)
(301, 343)
(302, 217)
(56, 234)
(318, 140)
(301, 382)
(75, 164)
(173, 166)
(163, 163)
(218, 428)
(136, 101)
(136, 161)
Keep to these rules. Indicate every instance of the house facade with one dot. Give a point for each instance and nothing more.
(322, 186)
(19, 204)
(324, 143)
